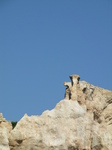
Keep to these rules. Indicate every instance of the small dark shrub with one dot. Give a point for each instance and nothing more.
(13, 124)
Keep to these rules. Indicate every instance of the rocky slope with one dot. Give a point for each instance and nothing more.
(82, 121)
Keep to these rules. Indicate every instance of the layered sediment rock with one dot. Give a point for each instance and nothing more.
(82, 121)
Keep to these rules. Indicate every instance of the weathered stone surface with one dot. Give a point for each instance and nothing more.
(5, 128)
(55, 129)
(76, 91)
(82, 121)
(67, 92)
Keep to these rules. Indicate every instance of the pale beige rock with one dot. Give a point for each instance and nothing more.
(55, 129)
(82, 121)
(67, 92)
(75, 90)
(5, 128)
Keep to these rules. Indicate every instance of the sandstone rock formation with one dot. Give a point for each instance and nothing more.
(82, 121)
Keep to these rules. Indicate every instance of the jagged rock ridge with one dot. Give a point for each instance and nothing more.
(82, 121)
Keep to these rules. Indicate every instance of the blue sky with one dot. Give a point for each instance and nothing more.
(43, 42)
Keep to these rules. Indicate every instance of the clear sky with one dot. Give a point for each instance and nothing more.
(42, 42)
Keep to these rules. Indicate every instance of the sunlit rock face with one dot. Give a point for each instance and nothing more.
(5, 128)
(81, 121)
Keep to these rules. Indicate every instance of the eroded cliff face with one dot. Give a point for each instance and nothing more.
(82, 121)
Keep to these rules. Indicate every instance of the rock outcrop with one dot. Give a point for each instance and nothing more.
(82, 121)
(5, 128)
